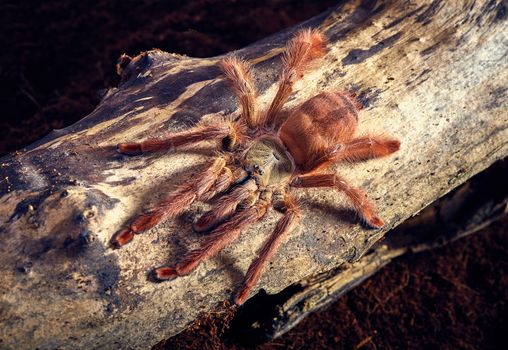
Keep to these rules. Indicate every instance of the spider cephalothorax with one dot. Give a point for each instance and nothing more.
(266, 154)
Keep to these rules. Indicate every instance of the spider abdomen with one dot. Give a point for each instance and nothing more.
(321, 122)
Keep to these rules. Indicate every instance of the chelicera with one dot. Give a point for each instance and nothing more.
(267, 153)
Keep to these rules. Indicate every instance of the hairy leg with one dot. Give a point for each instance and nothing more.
(356, 150)
(305, 47)
(267, 251)
(355, 195)
(367, 147)
(172, 141)
(175, 203)
(222, 183)
(225, 207)
(218, 238)
(238, 73)
(227, 179)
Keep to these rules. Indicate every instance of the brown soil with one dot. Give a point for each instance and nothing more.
(56, 57)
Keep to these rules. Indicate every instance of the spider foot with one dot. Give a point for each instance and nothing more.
(122, 238)
(375, 221)
(392, 146)
(163, 273)
(129, 148)
(241, 296)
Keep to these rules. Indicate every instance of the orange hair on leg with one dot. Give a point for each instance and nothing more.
(284, 226)
(307, 46)
(355, 195)
(238, 73)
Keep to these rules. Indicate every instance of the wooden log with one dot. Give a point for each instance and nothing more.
(432, 74)
(466, 210)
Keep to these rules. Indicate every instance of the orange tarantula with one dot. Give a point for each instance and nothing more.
(265, 155)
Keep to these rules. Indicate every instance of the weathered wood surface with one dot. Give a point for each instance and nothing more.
(433, 74)
(466, 210)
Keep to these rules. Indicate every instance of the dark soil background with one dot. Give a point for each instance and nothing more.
(57, 56)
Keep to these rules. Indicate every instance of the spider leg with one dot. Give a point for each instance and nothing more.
(220, 185)
(239, 74)
(367, 147)
(305, 47)
(356, 150)
(227, 178)
(267, 251)
(225, 206)
(355, 195)
(175, 203)
(172, 141)
(218, 238)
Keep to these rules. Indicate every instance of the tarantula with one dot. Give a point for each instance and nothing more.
(265, 154)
